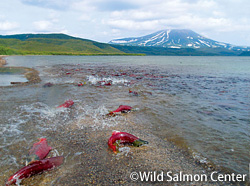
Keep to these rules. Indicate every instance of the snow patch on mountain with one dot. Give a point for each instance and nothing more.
(176, 38)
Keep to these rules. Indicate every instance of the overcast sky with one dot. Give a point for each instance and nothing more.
(104, 20)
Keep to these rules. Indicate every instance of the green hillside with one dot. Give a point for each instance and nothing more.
(246, 53)
(61, 44)
(24, 37)
(176, 52)
(53, 44)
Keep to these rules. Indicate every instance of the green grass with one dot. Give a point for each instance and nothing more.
(7, 51)
(47, 45)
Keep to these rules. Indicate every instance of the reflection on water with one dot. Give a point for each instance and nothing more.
(11, 74)
(6, 79)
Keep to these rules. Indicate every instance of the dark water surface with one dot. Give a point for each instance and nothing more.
(201, 104)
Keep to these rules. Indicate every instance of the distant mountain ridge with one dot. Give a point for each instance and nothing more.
(176, 38)
(24, 37)
(166, 42)
(53, 44)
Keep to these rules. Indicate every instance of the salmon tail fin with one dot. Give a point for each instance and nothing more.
(56, 160)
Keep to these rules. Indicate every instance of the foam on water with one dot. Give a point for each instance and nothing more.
(96, 118)
(55, 153)
(123, 151)
(10, 160)
(199, 158)
(41, 109)
(45, 117)
(28, 120)
(10, 129)
(95, 80)
(13, 127)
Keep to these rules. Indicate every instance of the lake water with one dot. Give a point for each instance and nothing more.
(8, 75)
(6, 79)
(201, 104)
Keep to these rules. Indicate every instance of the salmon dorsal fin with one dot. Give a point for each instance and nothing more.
(42, 139)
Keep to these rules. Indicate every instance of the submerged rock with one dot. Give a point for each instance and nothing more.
(48, 85)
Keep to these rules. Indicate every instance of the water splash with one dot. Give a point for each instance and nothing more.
(94, 80)
(199, 158)
(123, 151)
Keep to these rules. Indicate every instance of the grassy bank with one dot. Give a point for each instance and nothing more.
(54, 44)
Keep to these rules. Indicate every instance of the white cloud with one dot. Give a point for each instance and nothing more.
(83, 6)
(135, 15)
(6, 25)
(201, 16)
(132, 25)
(171, 13)
(43, 25)
(102, 20)
(48, 27)
(49, 23)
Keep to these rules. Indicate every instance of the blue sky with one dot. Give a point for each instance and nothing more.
(104, 20)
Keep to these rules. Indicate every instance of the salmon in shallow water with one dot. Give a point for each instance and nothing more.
(39, 151)
(34, 168)
(121, 108)
(67, 104)
(118, 138)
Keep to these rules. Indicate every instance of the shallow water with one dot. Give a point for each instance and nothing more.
(199, 103)
(6, 79)
(8, 75)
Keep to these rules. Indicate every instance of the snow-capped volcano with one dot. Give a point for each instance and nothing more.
(175, 38)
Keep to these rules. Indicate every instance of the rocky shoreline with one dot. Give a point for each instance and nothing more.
(2, 61)
(89, 161)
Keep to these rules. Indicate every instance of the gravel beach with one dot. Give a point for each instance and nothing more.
(89, 161)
